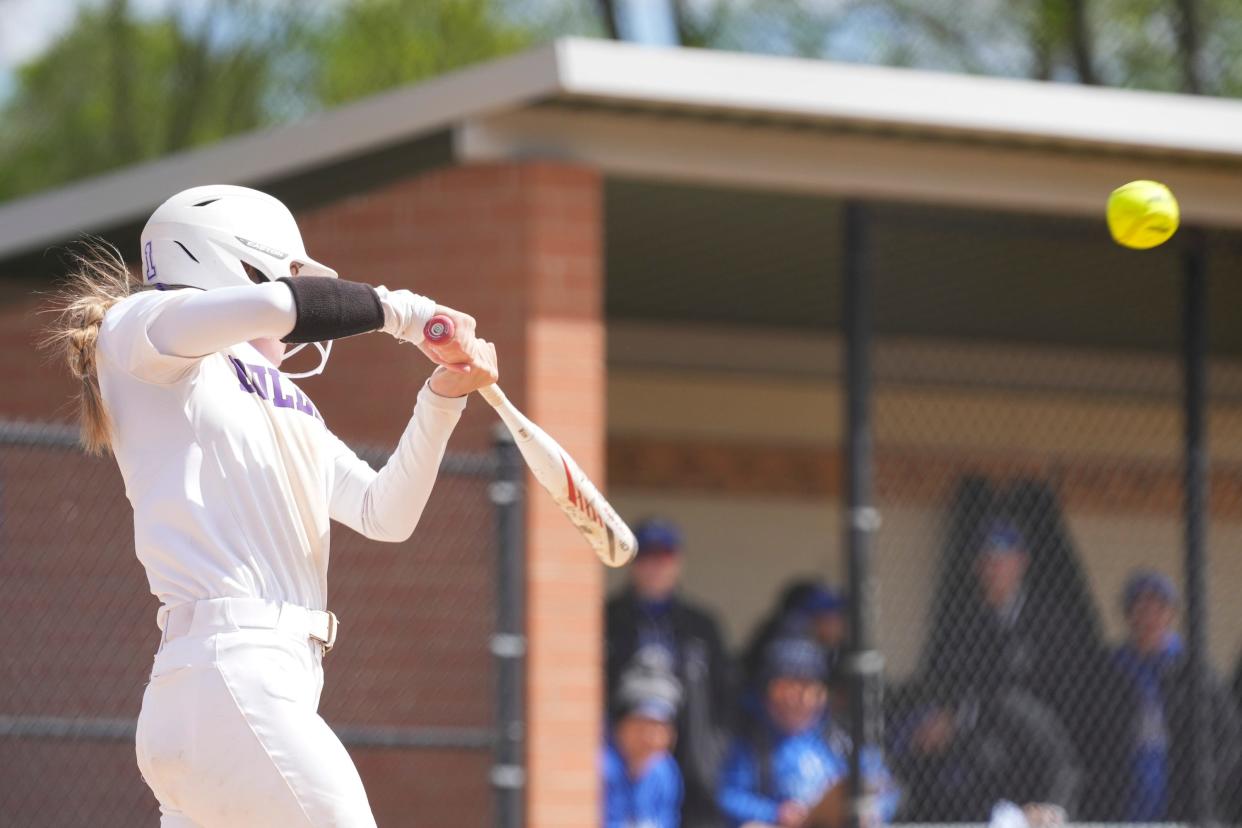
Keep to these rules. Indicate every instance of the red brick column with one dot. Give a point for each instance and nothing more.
(519, 247)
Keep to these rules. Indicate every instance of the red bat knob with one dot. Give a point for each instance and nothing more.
(438, 329)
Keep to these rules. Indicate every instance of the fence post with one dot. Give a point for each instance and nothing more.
(864, 664)
(1194, 354)
(509, 642)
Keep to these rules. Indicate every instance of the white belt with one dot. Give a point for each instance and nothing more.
(218, 614)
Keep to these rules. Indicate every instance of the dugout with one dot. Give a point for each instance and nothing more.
(655, 238)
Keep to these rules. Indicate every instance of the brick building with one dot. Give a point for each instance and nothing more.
(652, 238)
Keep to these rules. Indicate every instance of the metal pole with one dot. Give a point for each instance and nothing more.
(863, 664)
(509, 642)
(1194, 353)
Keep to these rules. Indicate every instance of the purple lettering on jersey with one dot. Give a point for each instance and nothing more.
(281, 399)
(304, 405)
(253, 380)
(241, 375)
(258, 375)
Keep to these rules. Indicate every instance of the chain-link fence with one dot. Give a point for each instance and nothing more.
(411, 687)
(1027, 419)
(1029, 465)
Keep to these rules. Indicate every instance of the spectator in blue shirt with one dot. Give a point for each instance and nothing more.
(1155, 665)
(806, 607)
(651, 619)
(1151, 648)
(785, 765)
(642, 783)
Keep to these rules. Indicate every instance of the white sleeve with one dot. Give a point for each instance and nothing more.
(386, 505)
(159, 336)
(212, 320)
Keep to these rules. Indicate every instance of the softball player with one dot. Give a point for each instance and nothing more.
(233, 476)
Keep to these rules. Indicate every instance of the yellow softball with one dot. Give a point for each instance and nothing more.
(1142, 214)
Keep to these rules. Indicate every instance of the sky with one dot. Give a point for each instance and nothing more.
(648, 21)
(27, 28)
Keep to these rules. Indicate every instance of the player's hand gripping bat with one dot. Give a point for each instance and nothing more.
(556, 471)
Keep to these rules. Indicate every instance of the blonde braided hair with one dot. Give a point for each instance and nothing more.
(97, 280)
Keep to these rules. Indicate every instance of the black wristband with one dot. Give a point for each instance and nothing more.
(329, 308)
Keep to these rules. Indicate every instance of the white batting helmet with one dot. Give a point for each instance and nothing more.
(201, 236)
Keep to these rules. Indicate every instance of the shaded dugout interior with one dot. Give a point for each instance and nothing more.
(1008, 346)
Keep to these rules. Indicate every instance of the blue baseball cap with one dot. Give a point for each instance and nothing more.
(1003, 537)
(658, 536)
(797, 658)
(822, 599)
(1148, 582)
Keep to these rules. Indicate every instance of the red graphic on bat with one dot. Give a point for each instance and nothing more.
(580, 500)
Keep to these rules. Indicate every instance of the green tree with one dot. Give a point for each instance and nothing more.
(379, 44)
(118, 87)
(115, 89)
(701, 25)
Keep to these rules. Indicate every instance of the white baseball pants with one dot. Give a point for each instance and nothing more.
(229, 735)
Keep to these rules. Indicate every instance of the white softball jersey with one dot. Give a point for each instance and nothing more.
(231, 471)
(234, 477)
